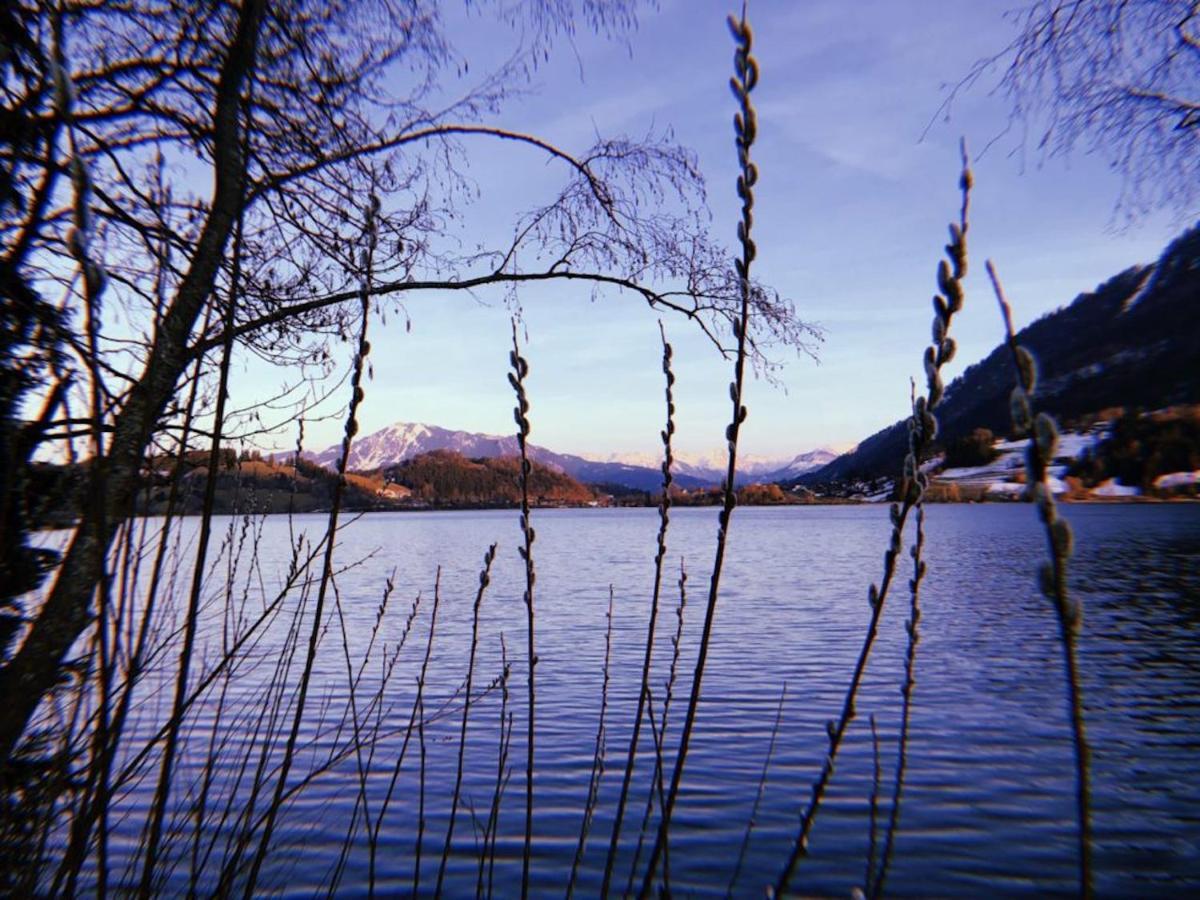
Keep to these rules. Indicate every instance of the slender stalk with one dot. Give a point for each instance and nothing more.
(488, 858)
(658, 736)
(656, 781)
(746, 127)
(664, 512)
(876, 881)
(273, 702)
(873, 807)
(104, 713)
(517, 379)
(922, 429)
(762, 788)
(132, 540)
(589, 807)
(485, 578)
(356, 724)
(417, 706)
(420, 793)
(266, 712)
(1043, 440)
(219, 735)
(362, 740)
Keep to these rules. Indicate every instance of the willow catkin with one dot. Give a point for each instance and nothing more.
(1042, 432)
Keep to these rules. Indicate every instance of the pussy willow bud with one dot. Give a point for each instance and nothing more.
(1027, 369)
(1022, 417)
(1046, 434)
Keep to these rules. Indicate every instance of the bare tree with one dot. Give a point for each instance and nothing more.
(30, 328)
(1120, 78)
(293, 112)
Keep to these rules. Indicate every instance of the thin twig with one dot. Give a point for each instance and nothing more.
(877, 880)
(762, 788)
(656, 782)
(408, 731)
(873, 808)
(488, 858)
(485, 577)
(589, 807)
(420, 793)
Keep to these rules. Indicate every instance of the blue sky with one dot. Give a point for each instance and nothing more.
(850, 220)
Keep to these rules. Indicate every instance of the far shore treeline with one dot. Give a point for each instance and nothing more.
(1136, 451)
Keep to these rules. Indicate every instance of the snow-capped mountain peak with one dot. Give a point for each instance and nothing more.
(404, 440)
(807, 462)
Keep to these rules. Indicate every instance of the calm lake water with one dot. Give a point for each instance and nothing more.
(988, 806)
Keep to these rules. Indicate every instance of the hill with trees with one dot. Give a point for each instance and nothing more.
(1133, 342)
(446, 478)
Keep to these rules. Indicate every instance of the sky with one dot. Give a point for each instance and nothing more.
(858, 182)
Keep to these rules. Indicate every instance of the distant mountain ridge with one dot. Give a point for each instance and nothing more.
(1133, 342)
(803, 463)
(711, 468)
(401, 441)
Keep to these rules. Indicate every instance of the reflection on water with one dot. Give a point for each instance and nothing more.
(988, 801)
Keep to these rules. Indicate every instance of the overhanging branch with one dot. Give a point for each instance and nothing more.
(653, 298)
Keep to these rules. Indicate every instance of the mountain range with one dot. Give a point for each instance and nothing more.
(404, 440)
(711, 467)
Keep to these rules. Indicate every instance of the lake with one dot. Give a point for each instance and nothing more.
(988, 803)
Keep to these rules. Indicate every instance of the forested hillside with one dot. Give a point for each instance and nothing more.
(447, 478)
(1134, 342)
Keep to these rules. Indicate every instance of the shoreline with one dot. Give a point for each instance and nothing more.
(1077, 501)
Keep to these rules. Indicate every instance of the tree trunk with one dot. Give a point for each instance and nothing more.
(67, 613)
